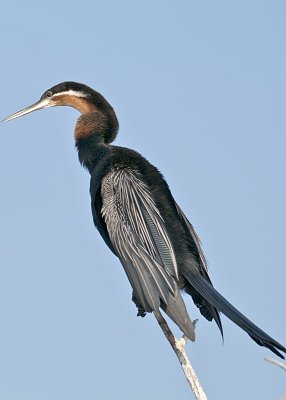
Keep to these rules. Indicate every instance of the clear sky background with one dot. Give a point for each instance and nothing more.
(199, 89)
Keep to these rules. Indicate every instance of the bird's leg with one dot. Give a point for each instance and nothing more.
(141, 311)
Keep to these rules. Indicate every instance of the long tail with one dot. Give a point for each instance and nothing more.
(211, 295)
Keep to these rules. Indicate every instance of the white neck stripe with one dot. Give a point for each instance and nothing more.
(71, 93)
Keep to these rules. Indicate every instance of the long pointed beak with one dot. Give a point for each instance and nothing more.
(44, 103)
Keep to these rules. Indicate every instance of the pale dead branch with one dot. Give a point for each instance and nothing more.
(180, 351)
(279, 364)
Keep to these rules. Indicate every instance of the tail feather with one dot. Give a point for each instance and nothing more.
(211, 295)
(206, 309)
(176, 310)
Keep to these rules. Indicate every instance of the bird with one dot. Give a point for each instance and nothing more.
(140, 221)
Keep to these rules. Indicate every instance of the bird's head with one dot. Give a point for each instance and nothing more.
(97, 112)
(72, 94)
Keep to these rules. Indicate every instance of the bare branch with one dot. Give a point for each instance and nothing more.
(278, 363)
(179, 349)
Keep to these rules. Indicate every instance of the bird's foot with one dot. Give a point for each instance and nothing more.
(141, 311)
(195, 323)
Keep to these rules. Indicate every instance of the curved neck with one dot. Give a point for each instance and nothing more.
(94, 130)
(93, 133)
(92, 150)
(95, 122)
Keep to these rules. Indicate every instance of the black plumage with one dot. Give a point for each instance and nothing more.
(139, 220)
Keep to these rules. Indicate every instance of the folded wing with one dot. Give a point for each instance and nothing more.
(141, 241)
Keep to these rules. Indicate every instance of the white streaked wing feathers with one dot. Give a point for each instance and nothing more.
(138, 234)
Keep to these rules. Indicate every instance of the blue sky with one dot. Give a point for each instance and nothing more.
(199, 90)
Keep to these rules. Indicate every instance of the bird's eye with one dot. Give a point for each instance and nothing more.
(49, 94)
